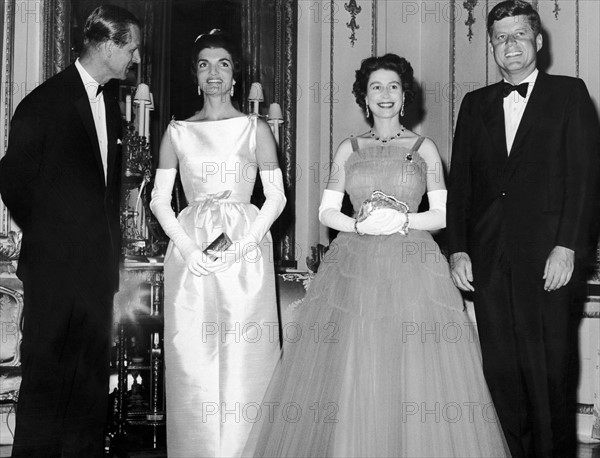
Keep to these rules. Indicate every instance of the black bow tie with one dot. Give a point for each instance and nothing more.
(507, 88)
(99, 90)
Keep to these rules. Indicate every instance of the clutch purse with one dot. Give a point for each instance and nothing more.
(380, 199)
(221, 243)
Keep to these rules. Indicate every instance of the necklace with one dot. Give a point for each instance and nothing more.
(387, 139)
(409, 156)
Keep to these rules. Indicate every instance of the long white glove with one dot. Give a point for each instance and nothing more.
(197, 262)
(274, 204)
(272, 181)
(435, 217)
(330, 212)
(392, 221)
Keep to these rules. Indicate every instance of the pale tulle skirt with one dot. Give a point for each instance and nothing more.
(221, 341)
(381, 360)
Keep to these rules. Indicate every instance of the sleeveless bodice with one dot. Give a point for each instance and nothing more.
(212, 357)
(213, 160)
(395, 170)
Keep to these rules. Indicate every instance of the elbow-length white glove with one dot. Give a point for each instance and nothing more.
(392, 221)
(274, 204)
(272, 181)
(434, 218)
(330, 212)
(197, 262)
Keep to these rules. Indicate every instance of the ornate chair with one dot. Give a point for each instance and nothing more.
(292, 285)
(11, 309)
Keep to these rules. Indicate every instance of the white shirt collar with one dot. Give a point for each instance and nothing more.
(91, 85)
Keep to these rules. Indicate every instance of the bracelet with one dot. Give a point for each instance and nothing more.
(356, 228)
(404, 229)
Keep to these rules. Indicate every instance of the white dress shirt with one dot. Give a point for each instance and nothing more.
(514, 106)
(98, 112)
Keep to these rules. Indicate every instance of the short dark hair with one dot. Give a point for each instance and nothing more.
(391, 62)
(512, 8)
(109, 22)
(217, 39)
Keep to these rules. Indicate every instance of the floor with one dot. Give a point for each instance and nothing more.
(585, 451)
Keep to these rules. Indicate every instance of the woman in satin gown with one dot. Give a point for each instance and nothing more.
(220, 312)
(382, 360)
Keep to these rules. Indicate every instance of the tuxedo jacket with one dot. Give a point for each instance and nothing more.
(519, 206)
(52, 181)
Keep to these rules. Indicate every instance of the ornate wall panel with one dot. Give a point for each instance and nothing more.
(56, 25)
(6, 63)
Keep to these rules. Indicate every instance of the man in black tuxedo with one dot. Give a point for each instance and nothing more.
(60, 179)
(523, 183)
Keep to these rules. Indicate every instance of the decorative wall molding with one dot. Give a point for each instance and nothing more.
(373, 27)
(487, 53)
(470, 6)
(452, 73)
(287, 20)
(7, 28)
(354, 11)
(331, 85)
(577, 35)
(556, 9)
(56, 37)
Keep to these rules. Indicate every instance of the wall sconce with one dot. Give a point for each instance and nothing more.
(275, 119)
(256, 95)
(142, 97)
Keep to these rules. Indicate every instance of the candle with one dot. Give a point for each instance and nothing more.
(147, 122)
(142, 99)
(275, 118)
(141, 120)
(128, 107)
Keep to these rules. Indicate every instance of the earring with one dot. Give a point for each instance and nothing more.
(402, 111)
(368, 112)
(199, 90)
(231, 91)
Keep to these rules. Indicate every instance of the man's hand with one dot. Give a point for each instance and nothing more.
(559, 268)
(462, 271)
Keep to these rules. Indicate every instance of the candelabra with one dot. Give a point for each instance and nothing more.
(137, 173)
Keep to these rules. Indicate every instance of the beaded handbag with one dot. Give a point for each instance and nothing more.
(380, 199)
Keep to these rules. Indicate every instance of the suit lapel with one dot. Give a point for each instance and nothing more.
(85, 112)
(82, 105)
(538, 98)
(113, 130)
(493, 119)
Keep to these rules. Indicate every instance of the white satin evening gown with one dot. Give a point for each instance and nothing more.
(221, 339)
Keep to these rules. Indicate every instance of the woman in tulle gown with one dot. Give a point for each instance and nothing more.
(220, 350)
(382, 360)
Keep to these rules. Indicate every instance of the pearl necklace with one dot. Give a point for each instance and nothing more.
(387, 139)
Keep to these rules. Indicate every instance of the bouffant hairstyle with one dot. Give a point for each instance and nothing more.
(387, 62)
(217, 39)
(512, 8)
